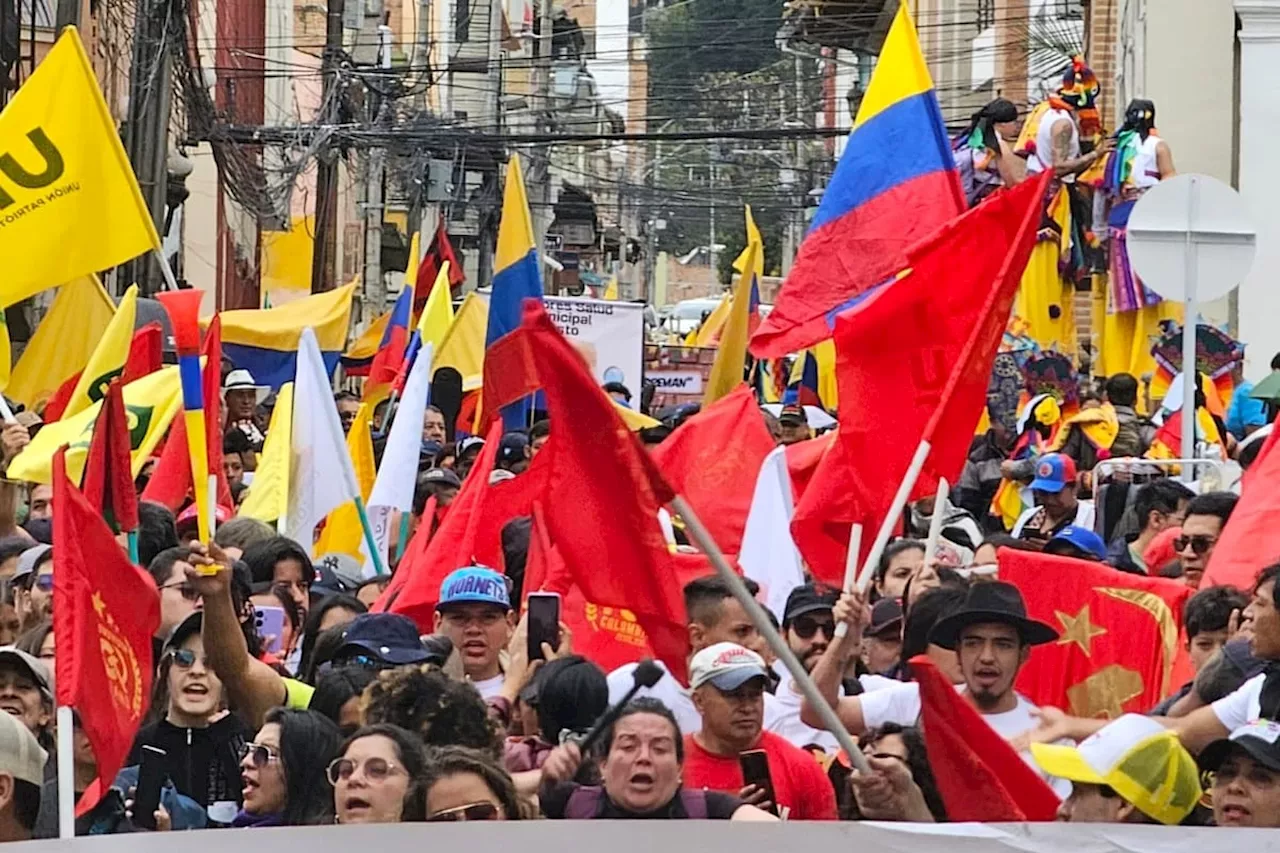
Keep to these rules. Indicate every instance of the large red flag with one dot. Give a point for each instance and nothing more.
(438, 252)
(1251, 540)
(170, 482)
(105, 612)
(603, 491)
(146, 356)
(713, 460)
(913, 361)
(979, 775)
(1120, 643)
(108, 479)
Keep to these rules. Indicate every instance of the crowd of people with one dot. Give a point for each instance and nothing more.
(282, 699)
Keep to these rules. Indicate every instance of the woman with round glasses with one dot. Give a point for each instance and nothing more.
(373, 775)
(464, 784)
(202, 742)
(283, 771)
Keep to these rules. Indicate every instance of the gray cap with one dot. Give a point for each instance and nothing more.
(20, 754)
(38, 670)
(27, 560)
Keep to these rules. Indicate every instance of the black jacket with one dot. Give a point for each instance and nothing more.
(204, 764)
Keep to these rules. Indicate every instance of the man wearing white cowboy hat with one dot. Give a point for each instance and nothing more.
(241, 396)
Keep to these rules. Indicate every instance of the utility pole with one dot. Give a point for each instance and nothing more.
(68, 14)
(375, 287)
(711, 247)
(488, 236)
(150, 99)
(325, 251)
(540, 165)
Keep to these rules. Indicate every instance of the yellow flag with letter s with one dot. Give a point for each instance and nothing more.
(69, 201)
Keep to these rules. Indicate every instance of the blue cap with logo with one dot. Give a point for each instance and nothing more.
(474, 585)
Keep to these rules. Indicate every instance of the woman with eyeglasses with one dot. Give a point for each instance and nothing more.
(202, 742)
(283, 771)
(893, 749)
(373, 775)
(460, 784)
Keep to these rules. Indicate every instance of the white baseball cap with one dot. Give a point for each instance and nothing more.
(727, 666)
(20, 754)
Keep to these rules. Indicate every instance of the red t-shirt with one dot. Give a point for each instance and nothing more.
(798, 781)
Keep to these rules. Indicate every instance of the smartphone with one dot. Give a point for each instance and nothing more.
(146, 797)
(270, 621)
(755, 771)
(544, 622)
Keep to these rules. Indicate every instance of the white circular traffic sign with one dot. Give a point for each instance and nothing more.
(1191, 232)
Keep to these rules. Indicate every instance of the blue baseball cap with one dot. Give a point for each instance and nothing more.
(1054, 473)
(1082, 538)
(387, 637)
(474, 585)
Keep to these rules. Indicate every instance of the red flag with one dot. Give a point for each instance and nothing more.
(915, 355)
(1251, 540)
(603, 491)
(108, 479)
(146, 355)
(106, 612)
(1120, 634)
(713, 460)
(429, 557)
(170, 482)
(803, 459)
(438, 252)
(979, 775)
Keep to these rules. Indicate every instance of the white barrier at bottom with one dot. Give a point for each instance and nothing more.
(679, 836)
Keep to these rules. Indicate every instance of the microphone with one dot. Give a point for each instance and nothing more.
(646, 674)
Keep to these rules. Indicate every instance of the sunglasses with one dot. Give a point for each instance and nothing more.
(362, 661)
(44, 582)
(805, 627)
(185, 658)
(375, 769)
(186, 590)
(1200, 545)
(260, 755)
(472, 811)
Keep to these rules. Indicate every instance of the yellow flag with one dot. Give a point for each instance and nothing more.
(108, 359)
(343, 532)
(731, 357)
(753, 236)
(711, 327)
(463, 347)
(611, 289)
(150, 403)
(411, 267)
(634, 420)
(828, 389)
(69, 202)
(63, 342)
(365, 347)
(6, 351)
(268, 497)
(437, 314)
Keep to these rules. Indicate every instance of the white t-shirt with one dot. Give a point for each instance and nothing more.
(901, 705)
(1241, 707)
(782, 717)
(490, 687)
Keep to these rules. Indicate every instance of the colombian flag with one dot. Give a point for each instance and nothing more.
(516, 278)
(264, 341)
(390, 358)
(895, 184)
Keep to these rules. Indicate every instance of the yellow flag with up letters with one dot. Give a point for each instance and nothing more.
(69, 201)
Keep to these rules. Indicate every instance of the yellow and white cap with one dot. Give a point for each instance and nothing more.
(1139, 759)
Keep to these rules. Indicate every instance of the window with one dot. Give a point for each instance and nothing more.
(1071, 9)
(986, 15)
(462, 19)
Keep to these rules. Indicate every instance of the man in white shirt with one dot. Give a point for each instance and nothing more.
(474, 612)
(715, 616)
(992, 638)
(808, 627)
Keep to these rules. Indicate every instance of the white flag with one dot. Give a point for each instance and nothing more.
(321, 477)
(768, 555)
(398, 473)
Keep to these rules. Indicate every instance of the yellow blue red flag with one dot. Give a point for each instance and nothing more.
(265, 341)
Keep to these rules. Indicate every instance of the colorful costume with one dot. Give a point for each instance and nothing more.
(977, 150)
(1064, 255)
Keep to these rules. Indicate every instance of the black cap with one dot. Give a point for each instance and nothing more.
(442, 477)
(191, 625)
(886, 618)
(793, 415)
(1260, 740)
(389, 637)
(808, 599)
(513, 446)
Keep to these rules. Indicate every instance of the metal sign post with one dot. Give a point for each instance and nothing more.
(1190, 238)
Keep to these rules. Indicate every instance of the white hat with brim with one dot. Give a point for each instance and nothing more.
(21, 755)
(242, 380)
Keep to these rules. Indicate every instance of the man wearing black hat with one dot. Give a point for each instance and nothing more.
(794, 425)
(809, 627)
(882, 640)
(992, 637)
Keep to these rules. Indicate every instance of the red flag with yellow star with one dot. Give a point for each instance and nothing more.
(106, 611)
(1121, 634)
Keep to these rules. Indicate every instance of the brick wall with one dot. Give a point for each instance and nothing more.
(1101, 40)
